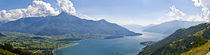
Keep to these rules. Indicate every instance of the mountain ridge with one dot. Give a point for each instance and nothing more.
(64, 24)
(170, 27)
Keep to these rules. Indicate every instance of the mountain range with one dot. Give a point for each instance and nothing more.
(64, 24)
(171, 26)
(134, 27)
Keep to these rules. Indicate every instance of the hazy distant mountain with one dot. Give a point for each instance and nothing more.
(170, 27)
(134, 27)
(148, 26)
(64, 24)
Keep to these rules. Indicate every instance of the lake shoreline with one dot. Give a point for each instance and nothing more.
(57, 50)
(53, 51)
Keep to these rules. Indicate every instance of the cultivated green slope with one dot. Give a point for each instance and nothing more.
(33, 43)
(201, 50)
(181, 41)
(5, 52)
(8, 49)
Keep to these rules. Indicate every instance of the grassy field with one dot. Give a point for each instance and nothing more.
(202, 50)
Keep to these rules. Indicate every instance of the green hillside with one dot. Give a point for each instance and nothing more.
(5, 52)
(33, 43)
(182, 40)
(201, 50)
(8, 49)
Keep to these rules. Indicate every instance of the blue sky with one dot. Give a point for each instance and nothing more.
(122, 12)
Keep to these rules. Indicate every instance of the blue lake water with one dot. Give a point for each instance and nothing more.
(129, 45)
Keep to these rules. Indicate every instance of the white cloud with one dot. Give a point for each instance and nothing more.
(37, 9)
(205, 4)
(195, 18)
(66, 6)
(82, 16)
(40, 9)
(175, 14)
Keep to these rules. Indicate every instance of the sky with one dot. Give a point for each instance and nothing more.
(142, 12)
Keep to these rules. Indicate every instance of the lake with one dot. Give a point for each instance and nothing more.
(129, 45)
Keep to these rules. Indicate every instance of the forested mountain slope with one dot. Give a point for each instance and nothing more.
(64, 24)
(7, 49)
(181, 41)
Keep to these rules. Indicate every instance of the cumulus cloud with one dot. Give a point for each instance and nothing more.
(37, 9)
(195, 18)
(40, 9)
(175, 14)
(66, 6)
(205, 4)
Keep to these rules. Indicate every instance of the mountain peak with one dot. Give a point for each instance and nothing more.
(103, 20)
(171, 26)
(64, 24)
(64, 14)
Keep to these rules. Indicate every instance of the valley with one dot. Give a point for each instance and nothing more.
(104, 27)
(127, 45)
